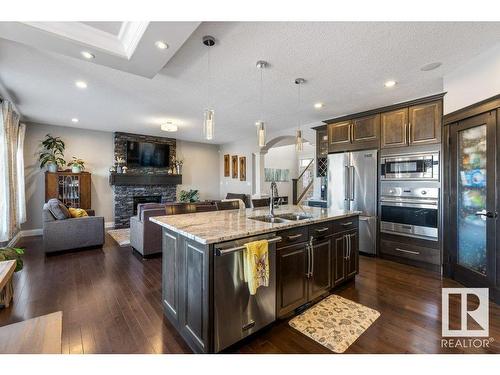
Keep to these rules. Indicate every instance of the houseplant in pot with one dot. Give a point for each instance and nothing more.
(52, 153)
(77, 165)
(189, 196)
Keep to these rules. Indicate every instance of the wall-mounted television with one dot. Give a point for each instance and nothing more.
(148, 154)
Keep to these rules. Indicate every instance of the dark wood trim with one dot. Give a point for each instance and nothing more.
(473, 110)
(144, 179)
(385, 109)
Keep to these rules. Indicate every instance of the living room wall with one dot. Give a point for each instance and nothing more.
(200, 170)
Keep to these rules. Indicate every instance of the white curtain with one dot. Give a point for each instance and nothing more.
(21, 196)
(9, 184)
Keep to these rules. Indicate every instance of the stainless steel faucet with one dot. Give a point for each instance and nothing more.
(273, 189)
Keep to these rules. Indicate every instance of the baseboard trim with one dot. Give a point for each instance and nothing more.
(109, 225)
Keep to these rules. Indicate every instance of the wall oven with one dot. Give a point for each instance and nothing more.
(410, 212)
(421, 166)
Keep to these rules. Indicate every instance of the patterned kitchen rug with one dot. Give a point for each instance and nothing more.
(335, 322)
(121, 236)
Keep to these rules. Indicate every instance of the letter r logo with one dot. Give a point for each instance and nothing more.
(480, 314)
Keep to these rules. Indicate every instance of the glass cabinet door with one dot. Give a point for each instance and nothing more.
(472, 199)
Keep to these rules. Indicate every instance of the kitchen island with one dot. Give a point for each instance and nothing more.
(311, 251)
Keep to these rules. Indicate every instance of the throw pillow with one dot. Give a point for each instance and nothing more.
(77, 212)
(58, 209)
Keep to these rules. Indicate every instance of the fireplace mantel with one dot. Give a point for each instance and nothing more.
(144, 179)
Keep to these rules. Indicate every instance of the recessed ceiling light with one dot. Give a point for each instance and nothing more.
(87, 55)
(74, 119)
(431, 66)
(390, 83)
(169, 127)
(318, 105)
(81, 84)
(160, 44)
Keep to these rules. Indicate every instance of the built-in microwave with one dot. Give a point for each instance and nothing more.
(422, 166)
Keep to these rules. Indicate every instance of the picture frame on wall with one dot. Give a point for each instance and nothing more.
(234, 162)
(243, 168)
(227, 166)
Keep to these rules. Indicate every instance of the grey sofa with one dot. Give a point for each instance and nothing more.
(73, 233)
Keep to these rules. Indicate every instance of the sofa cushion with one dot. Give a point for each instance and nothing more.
(58, 209)
(148, 206)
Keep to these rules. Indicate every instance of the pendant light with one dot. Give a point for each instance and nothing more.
(299, 145)
(209, 114)
(261, 130)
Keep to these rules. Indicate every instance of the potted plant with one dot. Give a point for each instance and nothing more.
(190, 196)
(12, 253)
(77, 165)
(52, 153)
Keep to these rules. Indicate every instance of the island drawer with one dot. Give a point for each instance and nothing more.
(347, 223)
(321, 229)
(292, 236)
(410, 251)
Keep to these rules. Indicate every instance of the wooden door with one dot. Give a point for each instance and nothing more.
(366, 132)
(394, 128)
(338, 259)
(473, 205)
(352, 257)
(424, 125)
(339, 136)
(291, 268)
(320, 280)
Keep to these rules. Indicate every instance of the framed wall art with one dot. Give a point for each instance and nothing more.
(234, 165)
(243, 168)
(227, 166)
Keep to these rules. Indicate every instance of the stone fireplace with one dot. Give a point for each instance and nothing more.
(141, 185)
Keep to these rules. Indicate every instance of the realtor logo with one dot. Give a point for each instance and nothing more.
(479, 314)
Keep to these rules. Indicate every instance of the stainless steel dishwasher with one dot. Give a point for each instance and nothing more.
(238, 314)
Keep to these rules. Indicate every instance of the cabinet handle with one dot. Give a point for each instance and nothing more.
(409, 132)
(349, 247)
(321, 230)
(408, 251)
(346, 224)
(312, 257)
(294, 237)
(351, 128)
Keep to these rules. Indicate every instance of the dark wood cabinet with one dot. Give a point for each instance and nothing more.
(352, 259)
(356, 134)
(339, 136)
(321, 271)
(345, 262)
(366, 132)
(338, 259)
(322, 152)
(292, 269)
(73, 189)
(424, 124)
(394, 128)
(308, 269)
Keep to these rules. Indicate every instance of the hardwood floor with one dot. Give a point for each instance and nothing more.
(111, 303)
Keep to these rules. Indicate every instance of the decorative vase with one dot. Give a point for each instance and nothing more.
(52, 167)
(178, 169)
(119, 169)
(75, 169)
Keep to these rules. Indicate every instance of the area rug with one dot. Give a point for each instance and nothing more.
(335, 322)
(121, 236)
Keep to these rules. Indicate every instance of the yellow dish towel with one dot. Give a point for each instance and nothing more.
(256, 265)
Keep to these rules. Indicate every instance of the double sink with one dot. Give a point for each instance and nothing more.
(282, 218)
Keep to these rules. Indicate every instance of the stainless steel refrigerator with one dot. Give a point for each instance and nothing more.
(352, 185)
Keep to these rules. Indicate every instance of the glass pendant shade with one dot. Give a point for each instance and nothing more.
(261, 133)
(299, 146)
(208, 124)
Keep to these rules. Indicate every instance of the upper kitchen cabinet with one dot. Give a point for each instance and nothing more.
(416, 122)
(424, 125)
(339, 136)
(394, 128)
(356, 134)
(321, 151)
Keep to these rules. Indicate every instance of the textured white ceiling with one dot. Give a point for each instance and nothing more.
(345, 65)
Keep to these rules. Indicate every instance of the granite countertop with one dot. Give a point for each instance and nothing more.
(218, 226)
